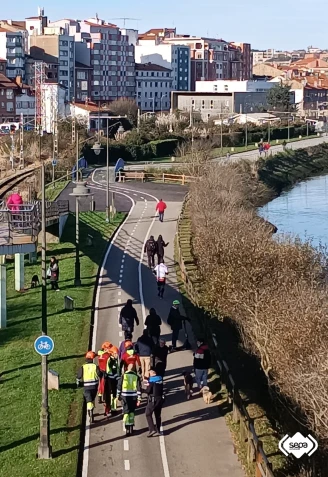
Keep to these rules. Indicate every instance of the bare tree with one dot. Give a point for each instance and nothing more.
(125, 107)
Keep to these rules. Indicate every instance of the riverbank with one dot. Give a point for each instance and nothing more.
(239, 272)
(20, 383)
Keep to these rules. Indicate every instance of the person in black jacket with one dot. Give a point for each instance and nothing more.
(160, 245)
(202, 361)
(154, 389)
(144, 347)
(159, 357)
(128, 316)
(153, 324)
(150, 249)
(175, 320)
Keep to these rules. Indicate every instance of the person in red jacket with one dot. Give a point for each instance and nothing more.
(130, 357)
(103, 356)
(160, 208)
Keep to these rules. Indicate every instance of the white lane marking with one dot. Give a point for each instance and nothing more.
(135, 194)
(125, 251)
(119, 293)
(120, 334)
(127, 465)
(164, 456)
(142, 198)
(119, 300)
(95, 327)
(120, 281)
(122, 266)
(126, 445)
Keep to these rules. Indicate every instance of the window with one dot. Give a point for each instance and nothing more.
(63, 73)
(150, 84)
(63, 63)
(156, 104)
(139, 84)
(10, 94)
(10, 107)
(152, 74)
(2, 105)
(63, 43)
(146, 104)
(156, 84)
(2, 92)
(63, 53)
(81, 75)
(84, 85)
(19, 104)
(226, 87)
(96, 83)
(156, 94)
(146, 94)
(151, 94)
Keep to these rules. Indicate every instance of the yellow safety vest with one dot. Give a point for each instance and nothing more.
(112, 368)
(130, 385)
(90, 376)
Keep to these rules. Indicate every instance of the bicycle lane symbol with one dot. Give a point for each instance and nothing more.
(44, 345)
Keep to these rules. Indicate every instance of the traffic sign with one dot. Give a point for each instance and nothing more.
(54, 163)
(44, 345)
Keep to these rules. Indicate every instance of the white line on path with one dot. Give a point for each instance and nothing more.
(126, 445)
(119, 300)
(95, 327)
(127, 465)
(120, 334)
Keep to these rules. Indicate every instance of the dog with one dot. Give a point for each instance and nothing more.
(207, 395)
(188, 384)
(35, 281)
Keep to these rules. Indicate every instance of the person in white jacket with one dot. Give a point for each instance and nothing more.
(161, 271)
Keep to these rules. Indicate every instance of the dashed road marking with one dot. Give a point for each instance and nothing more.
(135, 194)
(142, 198)
(119, 293)
(120, 334)
(126, 445)
(119, 300)
(120, 280)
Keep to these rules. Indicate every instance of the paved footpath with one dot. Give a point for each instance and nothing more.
(196, 439)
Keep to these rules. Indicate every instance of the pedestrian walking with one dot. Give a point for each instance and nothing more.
(130, 356)
(88, 376)
(160, 208)
(160, 246)
(128, 317)
(14, 202)
(159, 357)
(161, 271)
(153, 324)
(154, 389)
(54, 273)
(129, 392)
(112, 377)
(150, 250)
(175, 320)
(125, 344)
(103, 355)
(202, 361)
(144, 347)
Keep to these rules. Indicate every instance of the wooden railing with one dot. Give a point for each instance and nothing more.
(154, 176)
(247, 434)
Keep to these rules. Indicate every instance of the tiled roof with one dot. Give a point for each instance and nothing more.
(91, 107)
(6, 82)
(150, 67)
(82, 66)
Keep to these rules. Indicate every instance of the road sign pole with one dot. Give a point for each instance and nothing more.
(44, 450)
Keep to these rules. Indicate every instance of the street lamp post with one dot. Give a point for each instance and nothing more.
(78, 192)
(163, 96)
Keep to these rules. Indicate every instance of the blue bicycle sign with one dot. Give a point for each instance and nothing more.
(44, 345)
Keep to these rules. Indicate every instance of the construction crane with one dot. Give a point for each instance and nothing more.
(126, 18)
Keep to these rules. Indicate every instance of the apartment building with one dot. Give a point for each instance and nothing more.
(56, 46)
(12, 48)
(51, 71)
(8, 89)
(260, 56)
(246, 59)
(154, 86)
(173, 57)
(83, 78)
(110, 54)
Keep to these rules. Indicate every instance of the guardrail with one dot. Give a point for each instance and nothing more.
(153, 176)
(247, 434)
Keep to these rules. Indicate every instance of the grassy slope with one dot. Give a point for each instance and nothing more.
(53, 191)
(21, 384)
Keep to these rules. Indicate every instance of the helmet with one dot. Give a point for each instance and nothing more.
(176, 302)
(114, 350)
(127, 344)
(106, 345)
(90, 355)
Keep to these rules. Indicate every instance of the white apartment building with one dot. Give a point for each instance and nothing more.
(260, 56)
(232, 86)
(53, 104)
(12, 48)
(174, 57)
(154, 86)
(56, 46)
(111, 56)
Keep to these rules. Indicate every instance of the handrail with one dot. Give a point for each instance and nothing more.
(255, 452)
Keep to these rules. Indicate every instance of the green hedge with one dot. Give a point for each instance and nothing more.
(132, 152)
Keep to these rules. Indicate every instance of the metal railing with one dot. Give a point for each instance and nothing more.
(247, 434)
(154, 176)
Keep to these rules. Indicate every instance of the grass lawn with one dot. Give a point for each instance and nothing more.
(21, 383)
(53, 190)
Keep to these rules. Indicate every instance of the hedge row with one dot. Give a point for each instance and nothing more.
(131, 152)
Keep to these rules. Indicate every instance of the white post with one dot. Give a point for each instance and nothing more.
(3, 292)
(19, 271)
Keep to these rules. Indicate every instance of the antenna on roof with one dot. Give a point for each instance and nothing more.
(97, 18)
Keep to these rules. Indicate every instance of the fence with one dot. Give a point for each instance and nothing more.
(247, 434)
(155, 177)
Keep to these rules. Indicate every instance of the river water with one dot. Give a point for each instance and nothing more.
(302, 211)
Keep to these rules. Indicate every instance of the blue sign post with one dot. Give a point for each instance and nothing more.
(44, 345)
(54, 163)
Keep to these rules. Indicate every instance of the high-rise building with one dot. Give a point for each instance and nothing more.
(57, 46)
(246, 60)
(12, 49)
(174, 57)
(111, 56)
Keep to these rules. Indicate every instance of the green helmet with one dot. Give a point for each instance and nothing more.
(176, 302)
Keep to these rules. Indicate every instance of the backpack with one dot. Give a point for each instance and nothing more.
(151, 246)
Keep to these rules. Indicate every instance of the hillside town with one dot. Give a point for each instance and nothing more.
(47, 67)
